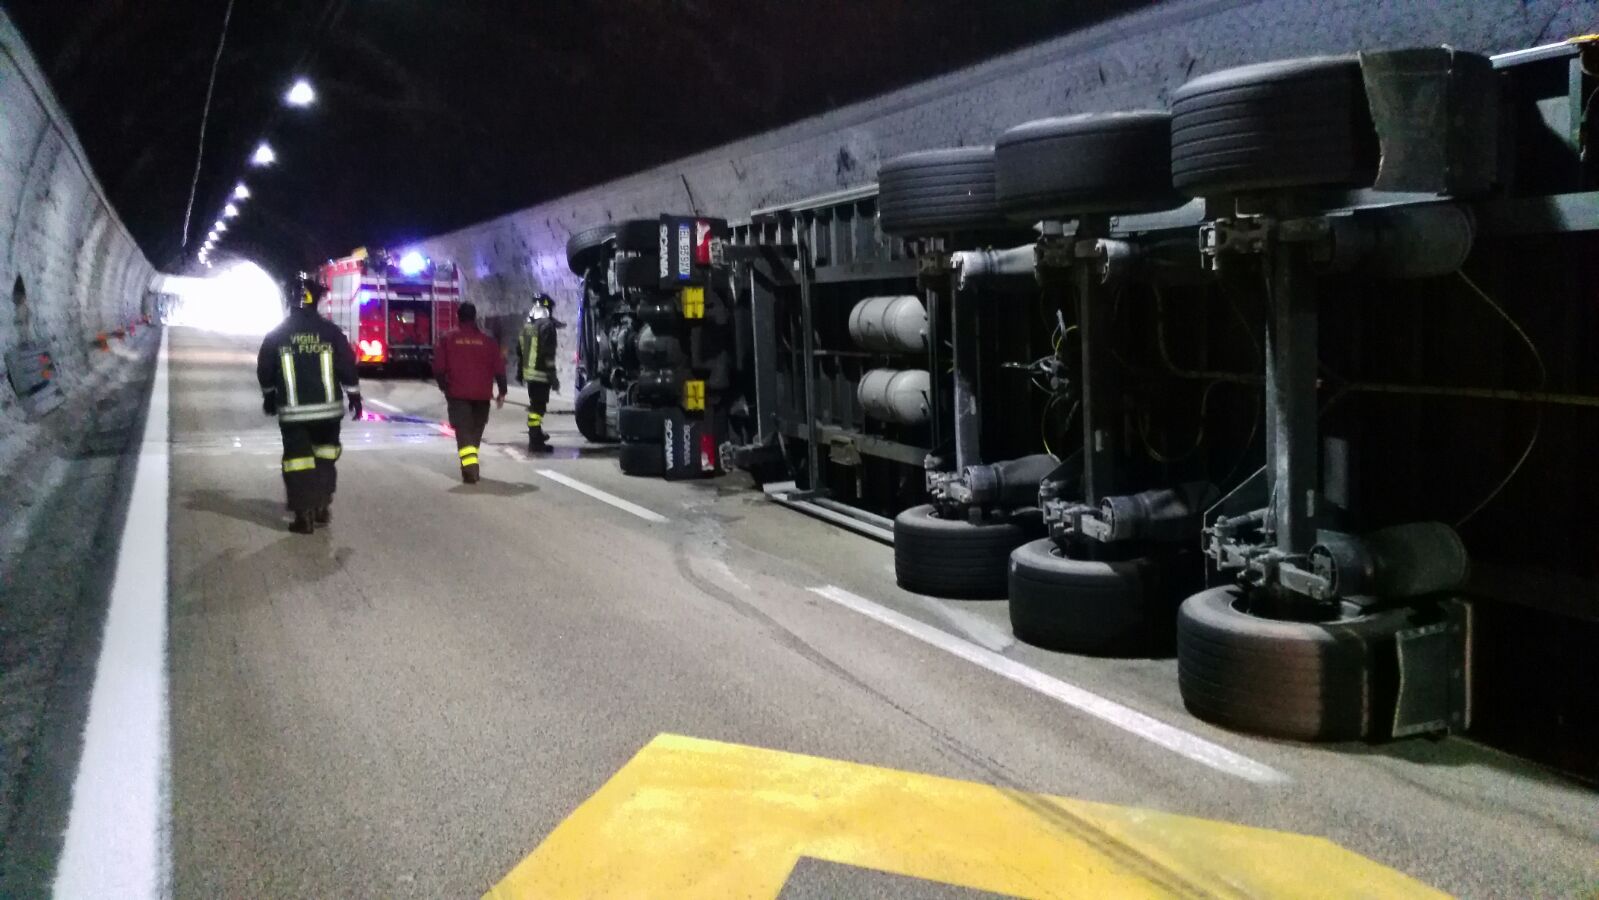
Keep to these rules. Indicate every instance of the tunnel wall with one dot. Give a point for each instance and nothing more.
(1134, 61)
(79, 267)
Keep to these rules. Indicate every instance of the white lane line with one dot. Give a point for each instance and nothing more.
(975, 627)
(381, 405)
(116, 841)
(603, 497)
(1130, 720)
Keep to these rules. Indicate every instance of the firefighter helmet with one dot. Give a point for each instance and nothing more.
(543, 306)
(305, 290)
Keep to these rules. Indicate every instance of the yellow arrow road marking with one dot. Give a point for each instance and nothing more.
(694, 818)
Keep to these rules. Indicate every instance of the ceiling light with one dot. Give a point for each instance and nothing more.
(240, 192)
(229, 211)
(263, 155)
(301, 94)
(221, 226)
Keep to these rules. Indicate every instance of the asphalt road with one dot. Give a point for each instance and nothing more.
(409, 702)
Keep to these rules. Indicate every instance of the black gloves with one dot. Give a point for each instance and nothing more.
(356, 409)
(555, 382)
(269, 403)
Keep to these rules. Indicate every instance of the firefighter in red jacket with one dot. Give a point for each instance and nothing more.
(469, 365)
(306, 370)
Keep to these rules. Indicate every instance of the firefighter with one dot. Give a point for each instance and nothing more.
(468, 364)
(535, 365)
(306, 370)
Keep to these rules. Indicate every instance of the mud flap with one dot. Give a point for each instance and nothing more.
(1435, 674)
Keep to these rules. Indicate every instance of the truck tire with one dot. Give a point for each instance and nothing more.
(1094, 163)
(639, 236)
(938, 191)
(660, 351)
(662, 313)
(643, 460)
(641, 273)
(1307, 681)
(1085, 606)
(641, 424)
(954, 558)
(586, 249)
(1271, 126)
(588, 408)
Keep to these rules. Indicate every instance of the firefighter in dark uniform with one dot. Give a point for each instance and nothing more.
(307, 370)
(535, 365)
(467, 363)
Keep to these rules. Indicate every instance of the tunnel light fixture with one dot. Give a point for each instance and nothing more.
(241, 192)
(263, 156)
(301, 95)
(229, 211)
(221, 226)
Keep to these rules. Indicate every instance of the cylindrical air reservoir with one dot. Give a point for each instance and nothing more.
(1398, 561)
(889, 324)
(895, 395)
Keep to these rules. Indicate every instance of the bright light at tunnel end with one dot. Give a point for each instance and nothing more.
(241, 298)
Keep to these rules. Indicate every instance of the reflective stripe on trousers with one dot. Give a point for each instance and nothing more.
(534, 419)
(328, 451)
(468, 456)
(299, 464)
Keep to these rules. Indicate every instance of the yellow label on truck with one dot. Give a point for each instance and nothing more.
(694, 396)
(694, 303)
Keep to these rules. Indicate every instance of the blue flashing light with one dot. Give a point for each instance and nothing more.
(413, 263)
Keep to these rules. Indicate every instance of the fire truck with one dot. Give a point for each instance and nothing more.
(393, 309)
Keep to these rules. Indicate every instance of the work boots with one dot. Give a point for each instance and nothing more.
(538, 441)
(469, 474)
(322, 515)
(304, 523)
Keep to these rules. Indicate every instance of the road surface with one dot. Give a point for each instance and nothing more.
(411, 701)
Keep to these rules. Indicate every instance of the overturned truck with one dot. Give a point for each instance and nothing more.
(1292, 376)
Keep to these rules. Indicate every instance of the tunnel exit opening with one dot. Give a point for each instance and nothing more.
(242, 299)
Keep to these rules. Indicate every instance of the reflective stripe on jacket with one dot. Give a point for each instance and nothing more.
(306, 362)
(535, 350)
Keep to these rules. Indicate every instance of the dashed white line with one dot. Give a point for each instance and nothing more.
(602, 496)
(116, 830)
(1130, 720)
(381, 405)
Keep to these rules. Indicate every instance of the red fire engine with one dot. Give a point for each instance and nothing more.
(393, 309)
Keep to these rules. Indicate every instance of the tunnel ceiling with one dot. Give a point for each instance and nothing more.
(435, 114)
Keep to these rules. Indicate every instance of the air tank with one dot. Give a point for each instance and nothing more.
(889, 324)
(895, 395)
